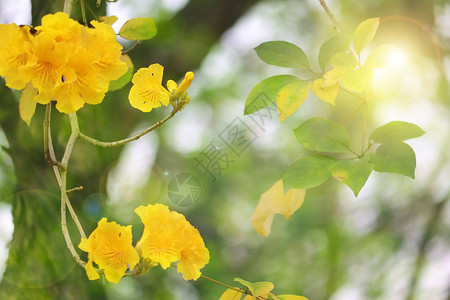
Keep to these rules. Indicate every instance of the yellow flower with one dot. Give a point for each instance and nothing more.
(15, 53)
(184, 85)
(147, 92)
(168, 237)
(109, 246)
(63, 60)
(60, 28)
(194, 255)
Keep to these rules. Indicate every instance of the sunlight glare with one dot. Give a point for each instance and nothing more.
(397, 58)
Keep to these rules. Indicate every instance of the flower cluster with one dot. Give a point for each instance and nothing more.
(62, 60)
(167, 238)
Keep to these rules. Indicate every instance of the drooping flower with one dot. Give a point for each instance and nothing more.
(15, 53)
(147, 91)
(194, 255)
(168, 238)
(64, 61)
(110, 247)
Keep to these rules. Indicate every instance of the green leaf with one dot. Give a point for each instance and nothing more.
(332, 46)
(257, 288)
(307, 172)
(352, 173)
(291, 297)
(265, 92)
(364, 33)
(125, 78)
(138, 29)
(396, 131)
(291, 96)
(282, 54)
(395, 157)
(323, 135)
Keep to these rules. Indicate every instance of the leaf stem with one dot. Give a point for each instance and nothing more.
(353, 94)
(337, 27)
(363, 139)
(131, 138)
(131, 48)
(352, 114)
(231, 287)
(353, 152)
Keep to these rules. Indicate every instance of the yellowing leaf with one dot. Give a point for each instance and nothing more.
(358, 79)
(27, 104)
(291, 297)
(334, 75)
(257, 288)
(365, 33)
(290, 97)
(231, 294)
(274, 201)
(327, 93)
(108, 20)
(344, 59)
(248, 297)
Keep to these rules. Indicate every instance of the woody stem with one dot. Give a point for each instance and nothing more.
(131, 138)
(337, 27)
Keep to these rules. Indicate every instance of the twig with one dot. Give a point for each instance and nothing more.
(353, 94)
(352, 114)
(64, 229)
(337, 27)
(67, 7)
(131, 48)
(65, 161)
(83, 12)
(78, 188)
(130, 139)
(49, 152)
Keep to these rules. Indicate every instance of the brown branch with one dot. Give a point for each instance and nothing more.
(337, 27)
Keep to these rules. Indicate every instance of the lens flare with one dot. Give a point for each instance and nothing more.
(397, 58)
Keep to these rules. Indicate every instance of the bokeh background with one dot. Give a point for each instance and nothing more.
(392, 242)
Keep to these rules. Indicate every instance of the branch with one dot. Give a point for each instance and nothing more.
(49, 152)
(337, 27)
(130, 139)
(67, 7)
(64, 229)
